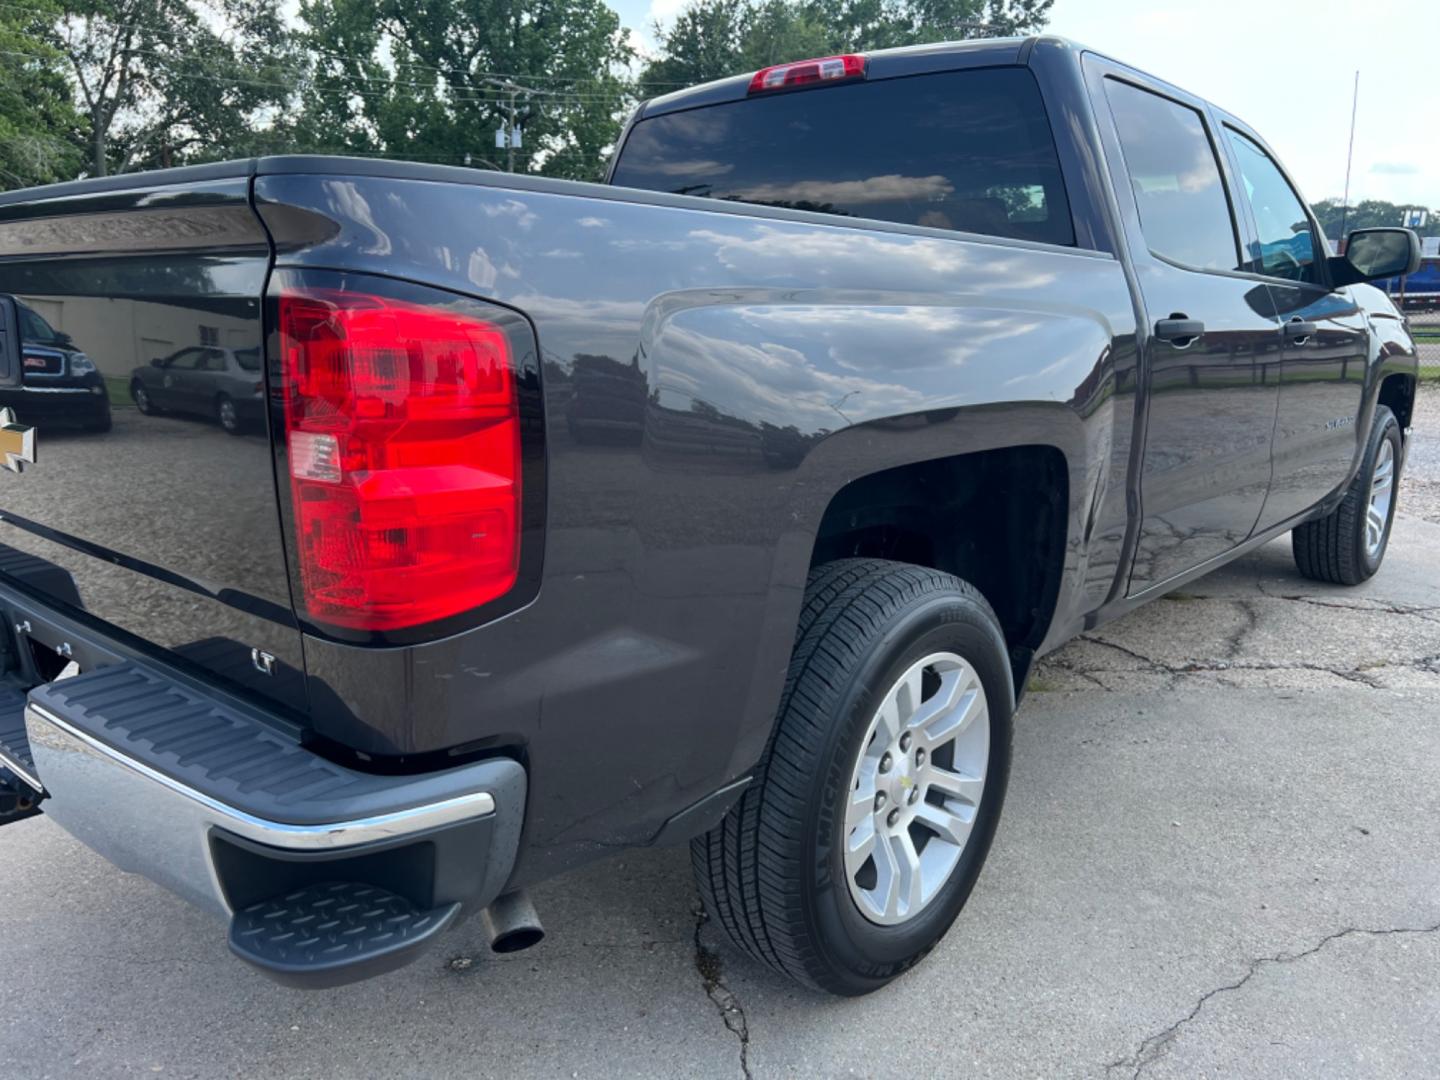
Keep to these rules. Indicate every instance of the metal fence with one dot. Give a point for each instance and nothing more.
(1425, 326)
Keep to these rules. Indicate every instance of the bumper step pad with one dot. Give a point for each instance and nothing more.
(334, 933)
(19, 786)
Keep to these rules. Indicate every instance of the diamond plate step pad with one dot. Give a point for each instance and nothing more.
(334, 933)
(14, 742)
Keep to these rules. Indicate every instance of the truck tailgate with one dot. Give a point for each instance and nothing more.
(160, 512)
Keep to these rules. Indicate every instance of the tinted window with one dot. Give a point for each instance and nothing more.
(36, 329)
(967, 150)
(1287, 245)
(1184, 211)
(248, 359)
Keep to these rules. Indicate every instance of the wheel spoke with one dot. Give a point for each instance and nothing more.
(911, 880)
(886, 894)
(909, 695)
(887, 726)
(955, 785)
(861, 805)
(951, 828)
(940, 702)
(859, 846)
(949, 724)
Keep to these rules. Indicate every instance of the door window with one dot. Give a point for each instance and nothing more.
(1184, 210)
(185, 360)
(1286, 246)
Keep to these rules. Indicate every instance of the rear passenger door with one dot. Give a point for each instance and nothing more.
(1326, 340)
(1211, 360)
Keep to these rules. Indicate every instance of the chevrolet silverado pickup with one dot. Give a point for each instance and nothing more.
(726, 503)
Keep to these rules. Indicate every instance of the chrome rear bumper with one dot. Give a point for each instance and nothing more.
(149, 823)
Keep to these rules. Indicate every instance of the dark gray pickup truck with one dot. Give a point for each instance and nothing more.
(727, 503)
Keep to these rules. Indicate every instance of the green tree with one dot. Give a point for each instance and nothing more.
(162, 82)
(39, 128)
(710, 39)
(435, 80)
(1368, 214)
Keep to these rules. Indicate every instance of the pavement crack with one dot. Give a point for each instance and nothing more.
(1151, 1047)
(1427, 613)
(712, 977)
(1235, 643)
(1150, 662)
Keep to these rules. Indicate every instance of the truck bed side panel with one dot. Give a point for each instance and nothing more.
(711, 380)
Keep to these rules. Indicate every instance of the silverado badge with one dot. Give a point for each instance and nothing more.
(17, 442)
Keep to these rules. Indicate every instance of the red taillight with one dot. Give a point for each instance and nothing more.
(825, 69)
(403, 437)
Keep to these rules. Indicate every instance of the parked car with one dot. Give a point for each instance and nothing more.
(204, 380)
(58, 384)
(909, 366)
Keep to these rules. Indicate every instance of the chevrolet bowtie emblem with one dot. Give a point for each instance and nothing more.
(17, 442)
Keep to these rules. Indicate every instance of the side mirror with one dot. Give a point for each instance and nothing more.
(157, 362)
(1375, 254)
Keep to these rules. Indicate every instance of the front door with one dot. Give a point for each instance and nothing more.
(1211, 362)
(1322, 373)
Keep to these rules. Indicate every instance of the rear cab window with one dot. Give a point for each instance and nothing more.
(967, 150)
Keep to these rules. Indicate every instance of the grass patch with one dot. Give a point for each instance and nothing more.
(119, 392)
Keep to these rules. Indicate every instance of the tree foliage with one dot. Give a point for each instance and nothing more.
(432, 81)
(159, 82)
(710, 39)
(39, 126)
(1368, 214)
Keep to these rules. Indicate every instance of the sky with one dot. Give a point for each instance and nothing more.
(1286, 67)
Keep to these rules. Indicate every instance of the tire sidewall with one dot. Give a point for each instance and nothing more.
(864, 953)
(1386, 427)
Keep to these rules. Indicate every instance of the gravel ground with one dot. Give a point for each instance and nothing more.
(1218, 858)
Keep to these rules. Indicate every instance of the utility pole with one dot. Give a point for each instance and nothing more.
(510, 138)
(511, 127)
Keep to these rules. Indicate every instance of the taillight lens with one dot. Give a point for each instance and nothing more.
(802, 72)
(403, 436)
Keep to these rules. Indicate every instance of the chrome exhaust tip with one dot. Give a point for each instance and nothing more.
(511, 923)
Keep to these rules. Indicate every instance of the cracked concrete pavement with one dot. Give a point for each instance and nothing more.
(1218, 858)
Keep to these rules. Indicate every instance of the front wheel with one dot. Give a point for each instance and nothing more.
(1347, 545)
(874, 806)
(141, 396)
(227, 414)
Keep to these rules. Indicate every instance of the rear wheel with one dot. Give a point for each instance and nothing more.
(873, 809)
(1347, 545)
